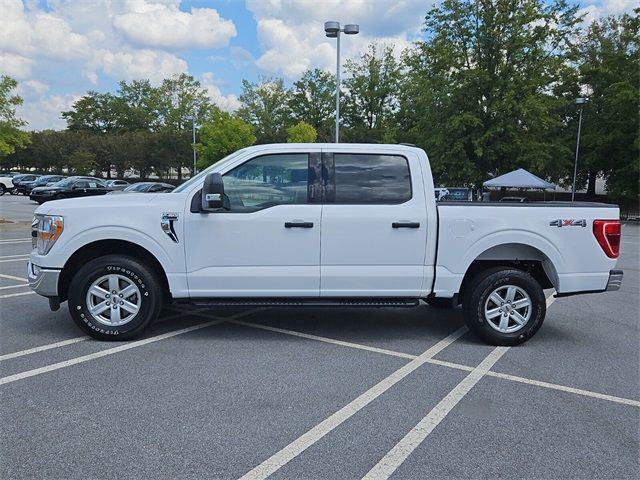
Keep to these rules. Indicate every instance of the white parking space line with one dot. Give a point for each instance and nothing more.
(401, 451)
(110, 351)
(322, 339)
(103, 353)
(26, 240)
(14, 286)
(42, 348)
(7, 260)
(564, 388)
(295, 448)
(21, 255)
(17, 294)
(11, 277)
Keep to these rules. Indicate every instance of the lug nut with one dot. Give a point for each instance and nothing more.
(107, 295)
(115, 306)
(113, 291)
(120, 295)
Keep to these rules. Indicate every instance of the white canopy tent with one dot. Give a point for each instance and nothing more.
(518, 179)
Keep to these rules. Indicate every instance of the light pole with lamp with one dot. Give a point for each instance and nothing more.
(579, 101)
(193, 131)
(333, 30)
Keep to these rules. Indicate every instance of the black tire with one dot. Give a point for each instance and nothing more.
(476, 298)
(436, 302)
(3, 190)
(129, 270)
(13, 191)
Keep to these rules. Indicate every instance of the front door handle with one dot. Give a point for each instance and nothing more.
(405, 224)
(298, 224)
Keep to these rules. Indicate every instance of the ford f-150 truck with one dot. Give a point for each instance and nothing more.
(318, 224)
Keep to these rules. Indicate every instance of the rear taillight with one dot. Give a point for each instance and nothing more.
(607, 232)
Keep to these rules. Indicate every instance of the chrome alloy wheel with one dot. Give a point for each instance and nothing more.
(113, 300)
(508, 309)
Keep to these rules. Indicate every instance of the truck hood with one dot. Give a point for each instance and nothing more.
(91, 205)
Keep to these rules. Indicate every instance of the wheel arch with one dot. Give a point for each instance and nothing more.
(520, 256)
(101, 248)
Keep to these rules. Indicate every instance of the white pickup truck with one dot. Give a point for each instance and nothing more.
(318, 224)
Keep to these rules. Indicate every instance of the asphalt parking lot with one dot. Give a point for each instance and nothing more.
(317, 393)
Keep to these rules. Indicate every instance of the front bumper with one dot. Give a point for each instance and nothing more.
(43, 281)
(615, 280)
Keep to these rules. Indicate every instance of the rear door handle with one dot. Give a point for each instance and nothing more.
(298, 224)
(405, 224)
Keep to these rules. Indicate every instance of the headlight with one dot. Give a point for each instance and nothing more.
(45, 230)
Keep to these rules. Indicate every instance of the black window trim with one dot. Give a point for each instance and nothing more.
(329, 177)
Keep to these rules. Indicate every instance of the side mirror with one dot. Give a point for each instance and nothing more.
(212, 192)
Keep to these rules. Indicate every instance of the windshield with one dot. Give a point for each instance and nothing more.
(200, 177)
(67, 182)
(137, 187)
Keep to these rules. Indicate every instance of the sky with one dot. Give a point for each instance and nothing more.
(58, 50)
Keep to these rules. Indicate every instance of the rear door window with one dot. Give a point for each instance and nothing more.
(371, 179)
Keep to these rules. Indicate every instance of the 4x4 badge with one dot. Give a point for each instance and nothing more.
(167, 222)
(570, 222)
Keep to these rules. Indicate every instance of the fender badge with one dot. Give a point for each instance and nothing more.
(168, 219)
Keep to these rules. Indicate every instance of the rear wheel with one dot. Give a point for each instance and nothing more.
(504, 306)
(114, 297)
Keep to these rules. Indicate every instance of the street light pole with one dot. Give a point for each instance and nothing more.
(579, 101)
(333, 30)
(193, 130)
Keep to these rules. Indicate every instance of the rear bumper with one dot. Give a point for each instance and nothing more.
(43, 281)
(615, 281)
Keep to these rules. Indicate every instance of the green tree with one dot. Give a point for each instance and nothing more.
(182, 100)
(313, 102)
(96, 113)
(11, 137)
(265, 105)
(609, 70)
(372, 94)
(220, 135)
(478, 92)
(301, 132)
(81, 162)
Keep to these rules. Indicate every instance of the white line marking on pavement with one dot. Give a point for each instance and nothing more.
(11, 277)
(295, 448)
(103, 353)
(22, 239)
(17, 294)
(28, 240)
(401, 451)
(324, 339)
(14, 286)
(22, 255)
(564, 388)
(42, 348)
(15, 259)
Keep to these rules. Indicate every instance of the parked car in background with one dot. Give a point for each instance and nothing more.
(42, 181)
(117, 184)
(149, 187)
(513, 199)
(6, 184)
(22, 178)
(70, 188)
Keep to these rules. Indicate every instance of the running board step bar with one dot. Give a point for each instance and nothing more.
(299, 302)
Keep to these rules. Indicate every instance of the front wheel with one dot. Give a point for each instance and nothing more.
(114, 297)
(504, 306)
